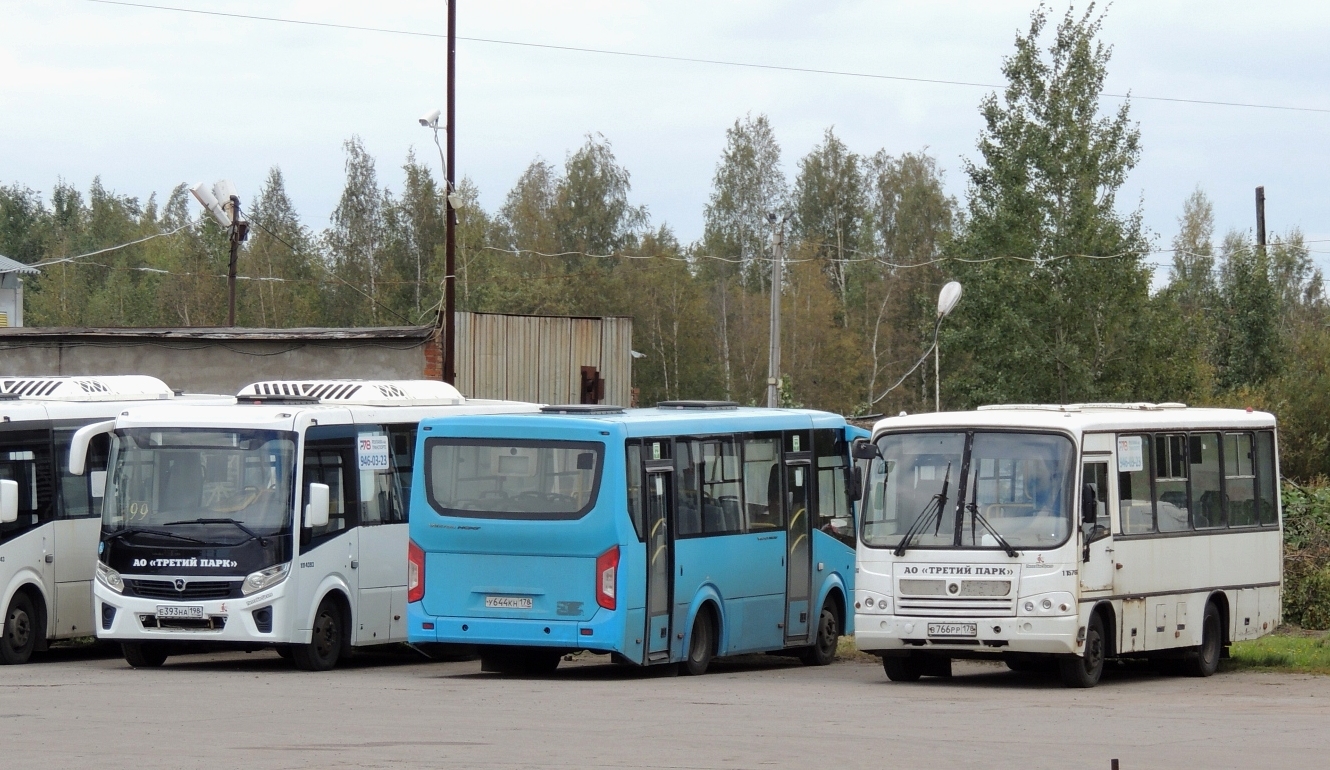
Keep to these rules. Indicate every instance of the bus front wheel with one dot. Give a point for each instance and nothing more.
(1205, 660)
(325, 643)
(823, 651)
(701, 644)
(19, 635)
(903, 668)
(144, 654)
(1085, 670)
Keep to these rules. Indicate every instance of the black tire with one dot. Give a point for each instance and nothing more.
(1205, 660)
(18, 637)
(906, 668)
(144, 654)
(326, 640)
(823, 651)
(701, 645)
(1081, 671)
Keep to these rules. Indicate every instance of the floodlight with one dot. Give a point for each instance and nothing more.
(208, 201)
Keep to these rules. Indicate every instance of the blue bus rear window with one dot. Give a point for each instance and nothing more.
(512, 479)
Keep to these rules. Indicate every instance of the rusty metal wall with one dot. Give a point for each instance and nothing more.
(540, 358)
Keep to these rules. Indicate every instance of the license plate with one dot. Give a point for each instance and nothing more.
(953, 629)
(188, 612)
(508, 602)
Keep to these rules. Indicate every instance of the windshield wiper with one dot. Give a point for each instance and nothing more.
(975, 515)
(142, 531)
(263, 541)
(931, 511)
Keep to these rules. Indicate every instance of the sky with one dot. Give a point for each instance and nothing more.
(147, 99)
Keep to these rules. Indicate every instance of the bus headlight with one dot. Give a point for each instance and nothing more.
(1048, 605)
(869, 603)
(264, 578)
(110, 578)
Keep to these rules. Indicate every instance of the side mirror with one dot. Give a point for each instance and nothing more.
(856, 482)
(1089, 505)
(316, 507)
(78, 445)
(866, 450)
(8, 501)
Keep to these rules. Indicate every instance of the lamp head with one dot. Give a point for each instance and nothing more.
(430, 119)
(947, 298)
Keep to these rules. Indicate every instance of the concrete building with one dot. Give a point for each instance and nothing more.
(11, 291)
(546, 359)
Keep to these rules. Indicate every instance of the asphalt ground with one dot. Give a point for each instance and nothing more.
(86, 708)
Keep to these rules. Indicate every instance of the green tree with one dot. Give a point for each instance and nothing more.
(286, 276)
(829, 209)
(354, 242)
(1056, 325)
(1248, 346)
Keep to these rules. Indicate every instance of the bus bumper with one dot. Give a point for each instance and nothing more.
(891, 633)
(602, 633)
(121, 618)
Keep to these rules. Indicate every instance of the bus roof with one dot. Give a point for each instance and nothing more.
(1084, 418)
(654, 421)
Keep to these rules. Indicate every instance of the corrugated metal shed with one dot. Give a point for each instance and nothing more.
(540, 358)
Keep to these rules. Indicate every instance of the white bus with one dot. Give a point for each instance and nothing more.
(1075, 534)
(49, 519)
(278, 522)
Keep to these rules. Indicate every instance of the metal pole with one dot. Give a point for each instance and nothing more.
(937, 380)
(231, 269)
(450, 221)
(777, 279)
(1260, 217)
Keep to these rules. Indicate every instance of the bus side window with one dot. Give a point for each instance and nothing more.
(1207, 499)
(1134, 498)
(1240, 479)
(633, 460)
(81, 496)
(721, 486)
(1171, 466)
(25, 457)
(833, 495)
(402, 445)
(327, 465)
(688, 505)
(1265, 477)
(762, 484)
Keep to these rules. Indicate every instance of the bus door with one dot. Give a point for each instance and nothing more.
(1096, 569)
(659, 505)
(798, 534)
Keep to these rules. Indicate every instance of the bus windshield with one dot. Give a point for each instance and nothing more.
(511, 479)
(212, 486)
(969, 486)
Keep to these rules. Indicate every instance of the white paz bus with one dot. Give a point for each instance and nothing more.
(1073, 534)
(280, 521)
(48, 518)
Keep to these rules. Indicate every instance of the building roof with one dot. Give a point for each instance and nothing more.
(227, 333)
(8, 265)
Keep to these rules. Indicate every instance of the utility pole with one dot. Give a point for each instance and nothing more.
(239, 232)
(1260, 217)
(450, 220)
(777, 280)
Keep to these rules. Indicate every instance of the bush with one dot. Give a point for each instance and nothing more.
(1307, 554)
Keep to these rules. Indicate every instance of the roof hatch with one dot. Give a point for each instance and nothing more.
(696, 405)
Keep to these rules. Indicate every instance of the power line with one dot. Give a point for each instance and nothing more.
(686, 59)
(117, 246)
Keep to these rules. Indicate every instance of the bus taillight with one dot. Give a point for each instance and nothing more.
(415, 572)
(607, 575)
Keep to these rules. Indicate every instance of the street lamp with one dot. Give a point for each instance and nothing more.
(223, 202)
(946, 302)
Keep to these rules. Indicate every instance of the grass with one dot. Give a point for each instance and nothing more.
(1289, 649)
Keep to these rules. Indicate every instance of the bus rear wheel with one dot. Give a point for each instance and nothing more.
(823, 651)
(18, 637)
(1205, 660)
(701, 645)
(1084, 670)
(325, 643)
(144, 654)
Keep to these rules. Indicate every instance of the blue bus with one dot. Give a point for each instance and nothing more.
(667, 535)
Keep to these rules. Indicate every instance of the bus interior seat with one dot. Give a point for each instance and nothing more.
(183, 487)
